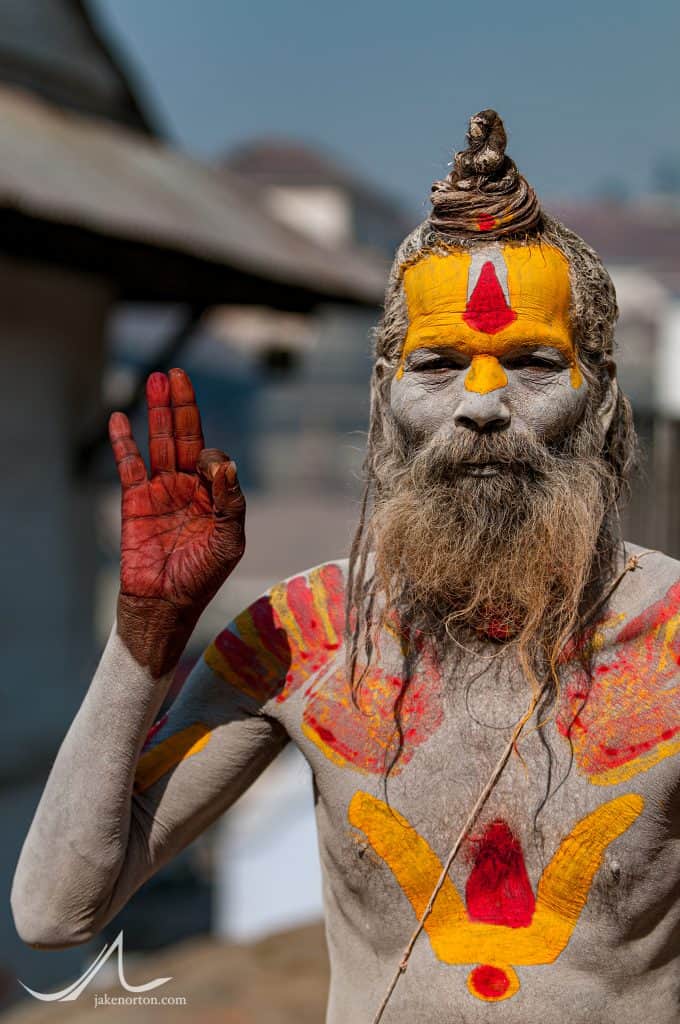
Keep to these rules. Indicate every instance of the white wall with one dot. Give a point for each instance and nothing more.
(668, 363)
(267, 869)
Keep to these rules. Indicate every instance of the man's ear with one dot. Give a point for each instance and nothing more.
(381, 367)
(607, 406)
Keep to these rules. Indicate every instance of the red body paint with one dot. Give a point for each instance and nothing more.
(498, 890)
(154, 729)
(485, 222)
(488, 981)
(487, 309)
(618, 721)
(290, 639)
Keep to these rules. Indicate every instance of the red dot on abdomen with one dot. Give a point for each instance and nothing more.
(488, 981)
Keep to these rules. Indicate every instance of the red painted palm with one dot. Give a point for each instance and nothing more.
(182, 525)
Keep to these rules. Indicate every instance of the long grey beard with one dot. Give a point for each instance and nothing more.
(519, 549)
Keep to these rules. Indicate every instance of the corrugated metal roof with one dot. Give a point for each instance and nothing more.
(56, 49)
(65, 169)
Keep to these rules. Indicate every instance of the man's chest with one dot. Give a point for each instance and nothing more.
(554, 857)
(576, 880)
(540, 834)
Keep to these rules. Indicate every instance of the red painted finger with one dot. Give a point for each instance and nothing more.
(186, 421)
(161, 438)
(226, 491)
(131, 468)
(208, 462)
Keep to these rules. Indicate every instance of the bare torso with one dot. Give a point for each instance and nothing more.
(563, 903)
(565, 895)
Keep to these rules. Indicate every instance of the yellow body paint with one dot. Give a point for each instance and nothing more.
(561, 894)
(663, 749)
(285, 615)
(168, 753)
(485, 374)
(490, 302)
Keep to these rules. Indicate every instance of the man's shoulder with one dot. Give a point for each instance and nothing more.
(644, 610)
(336, 568)
(302, 601)
(630, 719)
(284, 635)
(655, 577)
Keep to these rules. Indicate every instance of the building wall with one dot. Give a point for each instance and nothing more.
(51, 349)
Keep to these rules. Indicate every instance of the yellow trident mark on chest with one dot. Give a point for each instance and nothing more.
(457, 939)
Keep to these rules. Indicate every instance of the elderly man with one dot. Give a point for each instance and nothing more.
(486, 690)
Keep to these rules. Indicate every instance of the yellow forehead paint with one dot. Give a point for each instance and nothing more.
(488, 302)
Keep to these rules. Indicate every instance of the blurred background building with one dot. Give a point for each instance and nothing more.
(640, 245)
(105, 225)
(260, 273)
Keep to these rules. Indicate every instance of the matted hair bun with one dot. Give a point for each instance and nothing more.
(484, 194)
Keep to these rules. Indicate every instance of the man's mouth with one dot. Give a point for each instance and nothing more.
(482, 468)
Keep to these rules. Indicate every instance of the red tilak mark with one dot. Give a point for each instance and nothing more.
(487, 309)
(489, 981)
(498, 890)
(485, 222)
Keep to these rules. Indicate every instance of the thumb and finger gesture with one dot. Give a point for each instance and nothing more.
(175, 439)
(190, 501)
(175, 434)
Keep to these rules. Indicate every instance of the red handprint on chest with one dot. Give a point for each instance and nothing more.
(627, 718)
(291, 640)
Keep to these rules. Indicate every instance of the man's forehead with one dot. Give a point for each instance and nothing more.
(489, 299)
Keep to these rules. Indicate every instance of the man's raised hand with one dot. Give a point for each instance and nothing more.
(182, 523)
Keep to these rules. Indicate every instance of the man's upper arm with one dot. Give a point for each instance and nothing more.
(199, 757)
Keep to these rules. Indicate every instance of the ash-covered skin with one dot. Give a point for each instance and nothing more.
(128, 791)
(112, 815)
(431, 395)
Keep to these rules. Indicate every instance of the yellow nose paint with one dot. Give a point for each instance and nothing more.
(485, 374)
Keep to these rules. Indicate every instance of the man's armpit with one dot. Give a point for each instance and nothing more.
(187, 730)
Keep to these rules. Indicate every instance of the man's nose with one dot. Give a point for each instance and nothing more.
(482, 412)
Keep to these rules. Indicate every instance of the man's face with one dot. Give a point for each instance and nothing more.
(489, 348)
(491, 498)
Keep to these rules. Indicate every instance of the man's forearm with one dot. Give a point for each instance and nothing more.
(77, 842)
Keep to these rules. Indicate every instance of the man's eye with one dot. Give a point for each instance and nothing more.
(438, 363)
(533, 362)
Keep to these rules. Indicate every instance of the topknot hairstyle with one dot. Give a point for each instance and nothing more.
(484, 194)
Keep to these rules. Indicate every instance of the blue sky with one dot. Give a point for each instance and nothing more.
(589, 91)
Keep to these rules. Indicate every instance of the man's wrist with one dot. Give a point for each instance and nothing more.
(154, 631)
